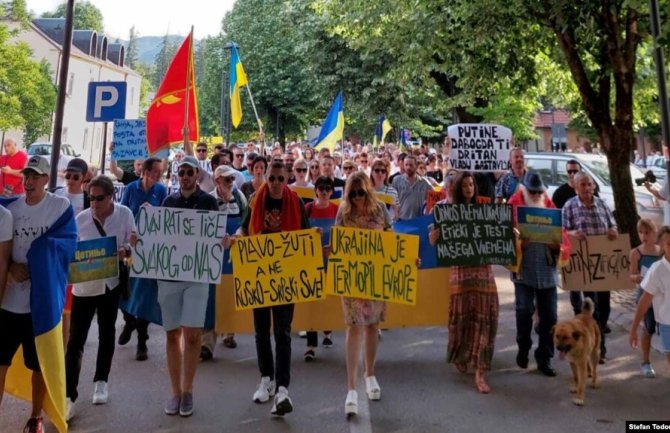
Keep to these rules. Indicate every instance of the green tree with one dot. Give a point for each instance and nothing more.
(86, 16)
(132, 54)
(27, 95)
(163, 59)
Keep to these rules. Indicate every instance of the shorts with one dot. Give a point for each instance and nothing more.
(17, 330)
(67, 308)
(648, 319)
(664, 332)
(183, 303)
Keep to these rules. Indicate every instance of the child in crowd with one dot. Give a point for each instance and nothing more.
(656, 287)
(641, 259)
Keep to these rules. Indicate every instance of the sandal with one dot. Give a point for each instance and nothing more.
(462, 367)
(481, 384)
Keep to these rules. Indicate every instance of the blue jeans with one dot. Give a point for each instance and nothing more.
(528, 298)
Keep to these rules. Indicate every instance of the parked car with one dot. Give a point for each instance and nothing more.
(44, 149)
(551, 166)
(658, 167)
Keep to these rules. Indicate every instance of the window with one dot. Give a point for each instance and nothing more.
(64, 135)
(561, 171)
(70, 85)
(543, 167)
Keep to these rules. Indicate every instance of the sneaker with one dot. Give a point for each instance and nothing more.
(186, 404)
(34, 425)
(230, 342)
(126, 333)
(302, 334)
(309, 355)
(351, 403)
(100, 394)
(69, 409)
(282, 404)
(648, 370)
(372, 388)
(142, 353)
(172, 405)
(327, 342)
(266, 389)
(205, 354)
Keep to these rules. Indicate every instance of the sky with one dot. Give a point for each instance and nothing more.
(153, 17)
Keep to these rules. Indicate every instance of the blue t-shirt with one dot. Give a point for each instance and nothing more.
(134, 196)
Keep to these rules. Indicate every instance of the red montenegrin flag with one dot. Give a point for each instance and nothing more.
(165, 118)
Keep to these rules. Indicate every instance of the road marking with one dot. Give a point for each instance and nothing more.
(245, 359)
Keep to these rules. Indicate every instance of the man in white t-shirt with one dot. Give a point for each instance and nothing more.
(34, 214)
(73, 191)
(6, 227)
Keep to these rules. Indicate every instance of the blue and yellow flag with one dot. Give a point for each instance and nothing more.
(49, 257)
(238, 79)
(383, 128)
(333, 128)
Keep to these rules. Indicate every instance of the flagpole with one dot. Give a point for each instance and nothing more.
(188, 149)
(258, 119)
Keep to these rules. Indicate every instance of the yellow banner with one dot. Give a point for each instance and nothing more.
(277, 269)
(372, 264)
(385, 198)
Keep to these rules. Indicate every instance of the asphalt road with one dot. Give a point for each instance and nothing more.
(420, 391)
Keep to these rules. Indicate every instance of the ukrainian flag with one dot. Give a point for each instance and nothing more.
(333, 128)
(383, 128)
(238, 79)
(49, 257)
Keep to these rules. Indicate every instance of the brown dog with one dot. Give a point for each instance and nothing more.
(578, 340)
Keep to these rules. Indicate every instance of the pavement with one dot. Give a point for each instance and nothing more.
(420, 392)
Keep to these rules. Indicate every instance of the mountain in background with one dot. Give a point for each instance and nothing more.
(149, 46)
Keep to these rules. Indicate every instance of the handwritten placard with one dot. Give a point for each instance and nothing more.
(432, 197)
(539, 225)
(129, 140)
(479, 147)
(277, 269)
(598, 264)
(179, 244)
(94, 259)
(118, 191)
(372, 264)
(474, 234)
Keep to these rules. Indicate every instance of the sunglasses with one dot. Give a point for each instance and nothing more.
(229, 179)
(314, 167)
(324, 188)
(279, 179)
(100, 197)
(301, 170)
(188, 173)
(347, 168)
(364, 161)
(74, 177)
(239, 155)
(356, 193)
(573, 171)
(201, 150)
(380, 170)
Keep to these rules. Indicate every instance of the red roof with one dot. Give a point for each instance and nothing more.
(544, 119)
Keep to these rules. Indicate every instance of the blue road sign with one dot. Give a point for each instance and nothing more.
(106, 101)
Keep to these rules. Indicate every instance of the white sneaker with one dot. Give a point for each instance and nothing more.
(351, 403)
(266, 389)
(100, 394)
(69, 409)
(372, 388)
(282, 404)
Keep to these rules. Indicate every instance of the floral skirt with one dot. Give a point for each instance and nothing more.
(473, 317)
(363, 311)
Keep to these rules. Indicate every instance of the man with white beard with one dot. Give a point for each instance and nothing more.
(535, 283)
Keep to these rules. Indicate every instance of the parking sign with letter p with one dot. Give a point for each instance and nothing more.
(106, 101)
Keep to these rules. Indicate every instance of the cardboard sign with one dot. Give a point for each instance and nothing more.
(479, 147)
(94, 259)
(179, 244)
(540, 225)
(598, 265)
(372, 264)
(130, 140)
(474, 234)
(118, 191)
(277, 269)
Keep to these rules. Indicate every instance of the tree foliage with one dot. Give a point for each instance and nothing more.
(163, 59)
(87, 16)
(27, 95)
(132, 54)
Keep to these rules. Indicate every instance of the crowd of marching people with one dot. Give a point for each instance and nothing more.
(265, 189)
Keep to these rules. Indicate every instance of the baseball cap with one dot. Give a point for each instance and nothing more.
(38, 164)
(78, 165)
(224, 170)
(189, 160)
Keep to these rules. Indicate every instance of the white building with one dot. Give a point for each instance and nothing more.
(92, 58)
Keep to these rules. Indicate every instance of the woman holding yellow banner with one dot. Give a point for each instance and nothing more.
(473, 308)
(361, 209)
(379, 174)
